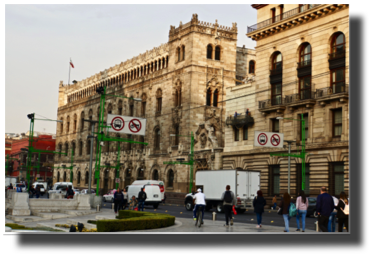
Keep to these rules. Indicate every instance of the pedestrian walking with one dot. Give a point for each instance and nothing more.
(284, 206)
(133, 203)
(10, 187)
(38, 192)
(229, 199)
(141, 199)
(301, 207)
(125, 203)
(118, 198)
(324, 207)
(259, 204)
(332, 217)
(343, 212)
(32, 191)
(274, 202)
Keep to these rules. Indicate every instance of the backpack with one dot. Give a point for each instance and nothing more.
(346, 209)
(292, 210)
(228, 197)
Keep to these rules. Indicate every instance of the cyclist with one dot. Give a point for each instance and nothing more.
(199, 200)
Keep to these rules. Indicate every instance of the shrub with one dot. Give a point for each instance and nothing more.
(135, 220)
(17, 226)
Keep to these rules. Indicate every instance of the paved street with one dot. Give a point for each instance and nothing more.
(270, 217)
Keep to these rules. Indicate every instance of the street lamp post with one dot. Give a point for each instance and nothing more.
(190, 161)
(302, 153)
(289, 164)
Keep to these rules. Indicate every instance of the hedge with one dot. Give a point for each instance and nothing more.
(135, 220)
(42, 228)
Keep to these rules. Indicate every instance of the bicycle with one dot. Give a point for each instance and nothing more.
(199, 216)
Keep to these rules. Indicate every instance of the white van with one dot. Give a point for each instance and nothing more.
(41, 186)
(152, 182)
(60, 187)
(153, 193)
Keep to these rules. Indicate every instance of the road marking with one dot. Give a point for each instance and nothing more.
(252, 219)
(166, 211)
(272, 221)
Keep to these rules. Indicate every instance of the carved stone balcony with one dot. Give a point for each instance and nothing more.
(240, 121)
(269, 105)
(338, 91)
(305, 97)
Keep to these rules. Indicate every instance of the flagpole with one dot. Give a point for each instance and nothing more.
(69, 72)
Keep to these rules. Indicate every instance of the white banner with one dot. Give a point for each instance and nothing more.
(126, 124)
(268, 139)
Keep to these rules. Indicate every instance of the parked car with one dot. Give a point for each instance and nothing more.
(311, 211)
(76, 191)
(42, 188)
(23, 186)
(60, 187)
(85, 191)
(153, 193)
(109, 196)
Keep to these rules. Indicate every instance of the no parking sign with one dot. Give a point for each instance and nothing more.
(126, 124)
(268, 139)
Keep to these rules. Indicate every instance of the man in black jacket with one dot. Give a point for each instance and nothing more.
(141, 199)
(118, 200)
(324, 207)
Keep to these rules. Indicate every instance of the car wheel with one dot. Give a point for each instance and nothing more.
(155, 206)
(314, 214)
(220, 208)
(189, 205)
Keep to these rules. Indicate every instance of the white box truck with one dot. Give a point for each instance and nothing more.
(244, 185)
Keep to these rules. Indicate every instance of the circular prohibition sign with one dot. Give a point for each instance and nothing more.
(262, 139)
(275, 140)
(135, 125)
(118, 123)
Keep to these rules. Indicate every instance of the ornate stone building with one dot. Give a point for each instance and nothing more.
(182, 87)
(302, 58)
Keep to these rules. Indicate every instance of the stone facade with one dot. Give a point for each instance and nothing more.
(324, 102)
(178, 83)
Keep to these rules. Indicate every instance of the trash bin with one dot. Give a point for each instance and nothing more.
(214, 216)
(316, 224)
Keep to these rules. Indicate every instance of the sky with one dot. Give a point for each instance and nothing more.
(41, 39)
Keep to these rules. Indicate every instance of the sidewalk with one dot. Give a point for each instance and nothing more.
(182, 225)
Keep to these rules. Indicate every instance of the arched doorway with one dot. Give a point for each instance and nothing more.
(155, 175)
(140, 174)
(170, 178)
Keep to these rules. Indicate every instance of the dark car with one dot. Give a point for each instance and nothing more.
(311, 211)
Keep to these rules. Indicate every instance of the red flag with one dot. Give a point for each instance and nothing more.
(72, 65)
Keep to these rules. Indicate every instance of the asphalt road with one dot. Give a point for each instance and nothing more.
(270, 217)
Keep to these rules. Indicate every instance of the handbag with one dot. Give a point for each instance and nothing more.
(135, 209)
(234, 210)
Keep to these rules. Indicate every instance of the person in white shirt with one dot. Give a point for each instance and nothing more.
(199, 200)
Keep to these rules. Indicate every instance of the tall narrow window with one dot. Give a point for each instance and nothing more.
(61, 127)
(305, 117)
(159, 100)
(131, 109)
(75, 121)
(157, 140)
(73, 145)
(87, 178)
(120, 107)
(338, 80)
(88, 147)
(338, 44)
(140, 174)
(80, 148)
(209, 96)
(176, 143)
(128, 176)
(274, 179)
(245, 132)
(275, 125)
(215, 98)
(178, 51)
(184, 52)
(68, 125)
(276, 88)
(78, 178)
(209, 51)
(273, 15)
(281, 8)
(218, 53)
(236, 134)
(337, 123)
(82, 121)
(276, 94)
(305, 54)
(301, 8)
(251, 67)
(336, 178)
(155, 175)
(305, 88)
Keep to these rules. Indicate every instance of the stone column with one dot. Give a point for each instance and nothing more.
(20, 204)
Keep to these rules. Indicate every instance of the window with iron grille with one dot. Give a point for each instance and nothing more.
(337, 122)
(299, 178)
(336, 178)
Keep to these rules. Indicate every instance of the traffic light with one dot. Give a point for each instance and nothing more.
(100, 90)
(30, 116)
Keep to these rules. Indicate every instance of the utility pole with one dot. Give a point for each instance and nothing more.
(302, 153)
(117, 167)
(190, 161)
(101, 137)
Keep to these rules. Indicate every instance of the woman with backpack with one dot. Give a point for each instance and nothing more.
(284, 207)
(259, 204)
(343, 212)
(301, 207)
(229, 200)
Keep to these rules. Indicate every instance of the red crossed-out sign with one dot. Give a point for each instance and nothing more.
(262, 139)
(275, 140)
(118, 123)
(135, 125)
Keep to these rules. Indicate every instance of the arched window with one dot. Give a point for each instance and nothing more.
(338, 44)
(58, 177)
(60, 149)
(75, 120)
(218, 53)
(140, 174)
(73, 145)
(120, 107)
(64, 177)
(251, 67)
(82, 122)
(78, 178)
(215, 98)
(305, 54)
(128, 176)
(143, 107)
(81, 148)
(209, 51)
(183, 52)
(68, 125)
(166, 61)
(176, 131)
(157, 139)
(170, 178)
(178, 52)
(66, 149)
(88, 147)
(87, 178)
(276, 61)
(159, 100)
(61, 126)
(209, 96)
(155, 175)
